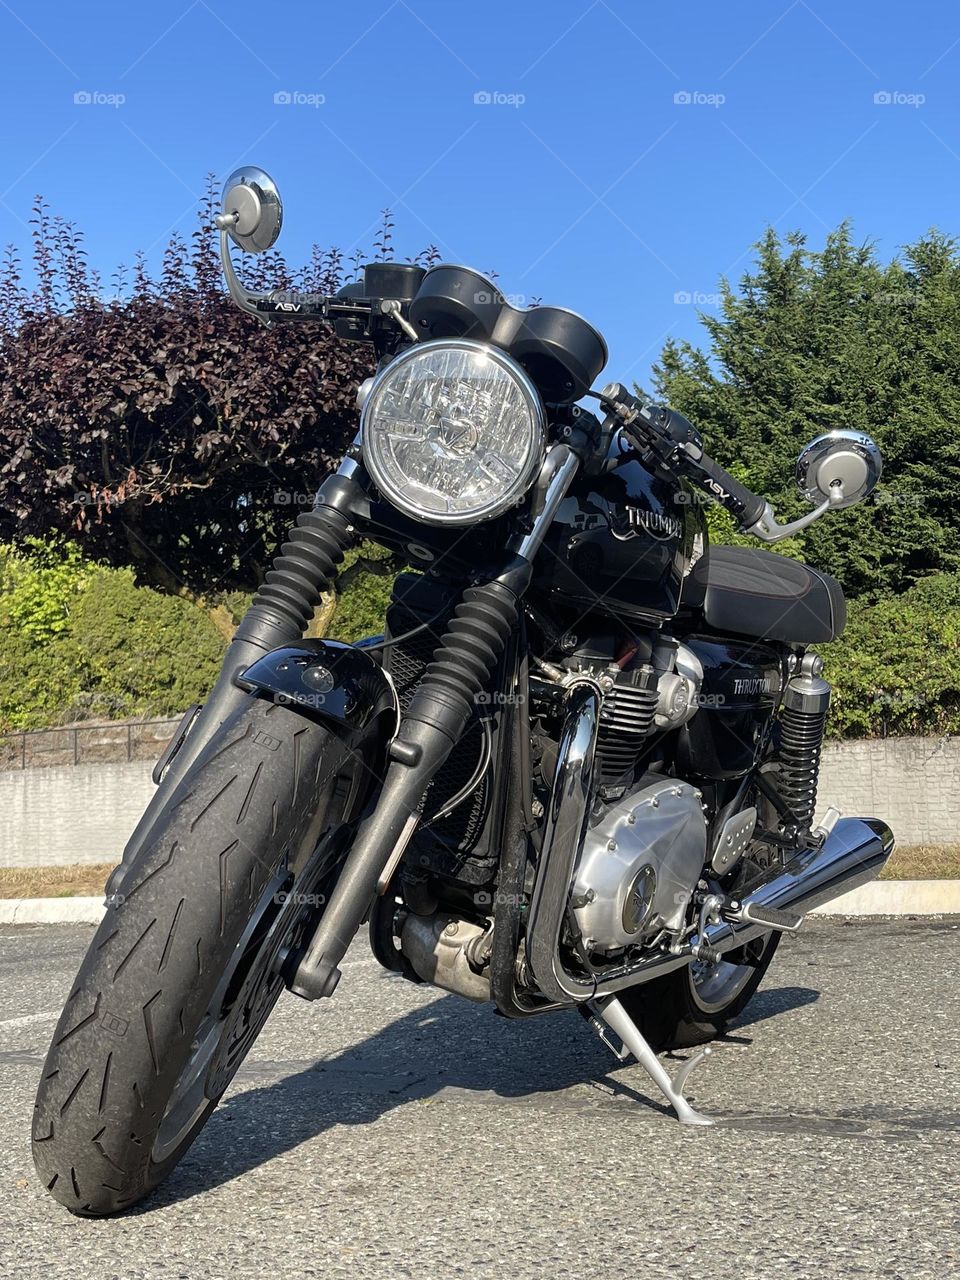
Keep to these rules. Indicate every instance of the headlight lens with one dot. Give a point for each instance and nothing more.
(453, 432)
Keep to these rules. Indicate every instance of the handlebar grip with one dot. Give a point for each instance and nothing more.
(744, 505)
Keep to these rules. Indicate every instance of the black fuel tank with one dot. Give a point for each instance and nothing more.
(622, 542)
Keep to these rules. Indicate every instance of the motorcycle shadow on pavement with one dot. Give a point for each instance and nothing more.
(446, 1050)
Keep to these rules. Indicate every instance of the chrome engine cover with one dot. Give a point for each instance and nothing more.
(640, 865)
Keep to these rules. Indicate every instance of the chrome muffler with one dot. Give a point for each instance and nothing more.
(852, 853)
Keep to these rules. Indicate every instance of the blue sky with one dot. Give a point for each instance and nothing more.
(578, 173)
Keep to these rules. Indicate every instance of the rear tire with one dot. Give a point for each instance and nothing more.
(260, 813)
(677, 1011)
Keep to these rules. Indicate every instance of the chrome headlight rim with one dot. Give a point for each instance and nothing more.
(524, 480)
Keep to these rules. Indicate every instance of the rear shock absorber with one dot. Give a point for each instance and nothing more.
(803, 719)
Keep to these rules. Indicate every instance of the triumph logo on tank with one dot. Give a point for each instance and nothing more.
(659, 524)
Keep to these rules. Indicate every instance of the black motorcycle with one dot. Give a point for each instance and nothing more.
(578, 769)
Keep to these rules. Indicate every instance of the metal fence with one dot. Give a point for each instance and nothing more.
(86, 744)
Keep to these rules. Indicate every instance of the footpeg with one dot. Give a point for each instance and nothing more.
(610, 1013)
(769, 917)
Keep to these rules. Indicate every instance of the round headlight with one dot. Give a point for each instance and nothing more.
(453, 432)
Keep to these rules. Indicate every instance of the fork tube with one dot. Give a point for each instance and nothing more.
(440, 710)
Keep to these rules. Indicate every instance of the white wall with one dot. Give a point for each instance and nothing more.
(85, 813)
(912, 783)
(71, 813)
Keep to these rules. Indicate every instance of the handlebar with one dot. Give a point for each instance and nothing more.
(658, 431)
(353, 318)
(678, 445)
(675, 444)
(744, 505)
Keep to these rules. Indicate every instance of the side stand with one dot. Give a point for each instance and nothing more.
(609, 1012)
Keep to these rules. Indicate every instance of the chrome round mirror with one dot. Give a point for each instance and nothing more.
(251, 212)
(840, 467)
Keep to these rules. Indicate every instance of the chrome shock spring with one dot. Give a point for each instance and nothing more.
(802, 722)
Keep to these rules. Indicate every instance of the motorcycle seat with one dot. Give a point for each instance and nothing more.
(745, 591)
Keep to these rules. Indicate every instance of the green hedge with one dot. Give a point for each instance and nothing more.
(142, 651)
(82, 641)
(896, 669)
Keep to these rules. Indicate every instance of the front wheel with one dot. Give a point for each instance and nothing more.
(692, 1005)
(189, 961)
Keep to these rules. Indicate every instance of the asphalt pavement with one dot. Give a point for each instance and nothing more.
(399, 1132)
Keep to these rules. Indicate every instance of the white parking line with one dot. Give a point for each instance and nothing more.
(28, 1019)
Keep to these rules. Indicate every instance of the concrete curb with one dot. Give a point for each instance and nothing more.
(897, 898)
(879, 898)
(51, 910)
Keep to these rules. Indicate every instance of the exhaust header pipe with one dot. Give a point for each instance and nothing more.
(853, 853)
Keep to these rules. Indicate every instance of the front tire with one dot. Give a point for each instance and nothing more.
(185, 967)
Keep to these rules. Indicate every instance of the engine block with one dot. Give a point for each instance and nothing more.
(639, 866)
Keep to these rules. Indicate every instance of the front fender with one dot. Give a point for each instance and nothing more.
(326, 680)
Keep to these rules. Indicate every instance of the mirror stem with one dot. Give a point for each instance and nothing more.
(393, 308)
(768, 530)
(244, 299)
